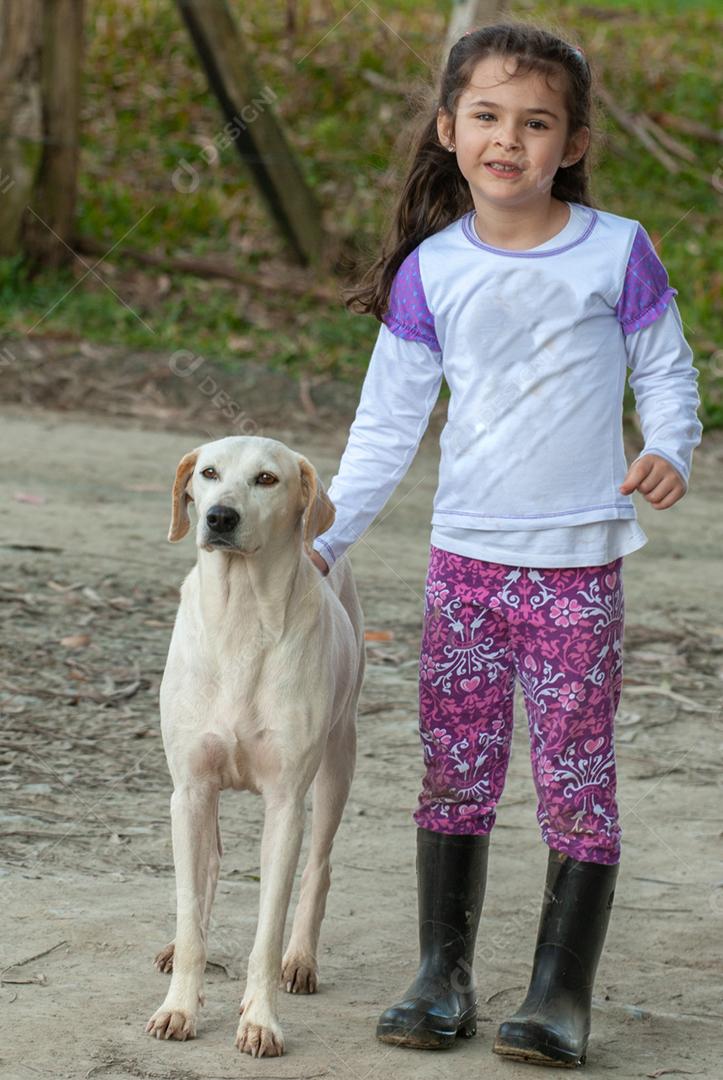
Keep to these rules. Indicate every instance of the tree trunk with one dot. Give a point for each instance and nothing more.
(252, 127)
(49, 223)
(20, 114)
(471, 14)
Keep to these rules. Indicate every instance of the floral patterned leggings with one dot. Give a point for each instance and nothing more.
(561, 633)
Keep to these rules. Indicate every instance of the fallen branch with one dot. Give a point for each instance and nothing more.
(662, 881)
(632, 689)
(648, 1014)
(20, 963)
(641, 128)
(689, 127)
(632, 125)
(669, 1072)
(652, 910)
(381, 82)
(131, 1066)
(674, 145)
(306, 287)
(120, 694)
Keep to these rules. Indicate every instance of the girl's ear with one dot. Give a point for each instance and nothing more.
(577, 145)
(445, 127)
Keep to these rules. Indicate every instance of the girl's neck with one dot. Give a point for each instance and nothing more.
(518, 228)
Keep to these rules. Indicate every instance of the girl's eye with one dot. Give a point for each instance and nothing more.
(265, 479)
(490, 116)
(209, 473)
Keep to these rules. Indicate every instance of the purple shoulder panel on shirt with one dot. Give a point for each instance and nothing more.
(408, 316)
(646, 292)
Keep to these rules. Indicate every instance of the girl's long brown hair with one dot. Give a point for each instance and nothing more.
(435, 193)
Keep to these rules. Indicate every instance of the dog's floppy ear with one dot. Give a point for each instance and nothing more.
(319, 512)
(180, 498)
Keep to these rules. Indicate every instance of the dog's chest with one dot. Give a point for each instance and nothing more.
(230, 760)
(216, 691)
(215, 716)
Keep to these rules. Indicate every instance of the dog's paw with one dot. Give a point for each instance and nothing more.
(164, 959)
(258, 1033)
(258, 1040)
(299, 975)
(170, 1023)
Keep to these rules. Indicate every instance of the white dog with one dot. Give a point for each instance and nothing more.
(259, 693)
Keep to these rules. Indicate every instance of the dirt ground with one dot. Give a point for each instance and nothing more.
(88, 592)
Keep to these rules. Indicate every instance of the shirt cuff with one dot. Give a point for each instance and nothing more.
(325, 551)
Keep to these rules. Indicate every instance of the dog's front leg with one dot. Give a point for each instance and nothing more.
(259, 1032)
(164, 959)
(194, 807)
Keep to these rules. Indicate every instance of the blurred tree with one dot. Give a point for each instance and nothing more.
(20, 114)
(48, 231)
(41, 46)
(253, 128)
(468, 14)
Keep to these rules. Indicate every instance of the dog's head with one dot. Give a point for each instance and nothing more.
(249, 492)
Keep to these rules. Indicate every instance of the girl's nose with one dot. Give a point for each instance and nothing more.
(507, 139)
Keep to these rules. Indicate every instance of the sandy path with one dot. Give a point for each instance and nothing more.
(87, 859)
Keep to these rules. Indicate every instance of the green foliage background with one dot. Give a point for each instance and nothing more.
(147, 108)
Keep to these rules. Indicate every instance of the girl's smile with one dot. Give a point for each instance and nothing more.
(504, 172)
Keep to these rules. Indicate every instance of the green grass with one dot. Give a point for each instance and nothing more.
(147, 108)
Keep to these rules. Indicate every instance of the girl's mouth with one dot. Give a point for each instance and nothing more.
(504, 172)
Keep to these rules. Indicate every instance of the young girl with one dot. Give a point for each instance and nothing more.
(501, 276)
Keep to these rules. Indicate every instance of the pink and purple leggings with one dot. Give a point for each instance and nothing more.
(560, 632)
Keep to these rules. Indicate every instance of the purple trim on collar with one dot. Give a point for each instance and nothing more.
(646, 292)
(469, 232)
(409, 316)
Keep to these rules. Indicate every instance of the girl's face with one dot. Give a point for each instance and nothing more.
(521, 121)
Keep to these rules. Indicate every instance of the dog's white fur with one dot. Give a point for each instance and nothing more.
(260, 693)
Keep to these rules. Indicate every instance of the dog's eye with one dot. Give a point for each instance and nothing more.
(209, 473)
(265, 479)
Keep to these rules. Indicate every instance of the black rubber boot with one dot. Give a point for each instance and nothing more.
(441, 1003)
(552, 1025)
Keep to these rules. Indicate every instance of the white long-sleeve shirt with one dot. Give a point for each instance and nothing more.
(534, 346)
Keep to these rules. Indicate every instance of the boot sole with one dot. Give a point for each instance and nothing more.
(522, 1052)
(427, 1040)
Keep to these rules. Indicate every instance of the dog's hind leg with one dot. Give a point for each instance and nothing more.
(164, 959)
(299, 971)
(194, 810)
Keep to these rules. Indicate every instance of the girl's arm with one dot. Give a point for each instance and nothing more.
(400, 389)
(664, 383)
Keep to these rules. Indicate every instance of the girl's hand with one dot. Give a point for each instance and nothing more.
(660, 483)
(319, 562)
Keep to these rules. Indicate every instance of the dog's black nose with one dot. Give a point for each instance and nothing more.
(222, 519)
